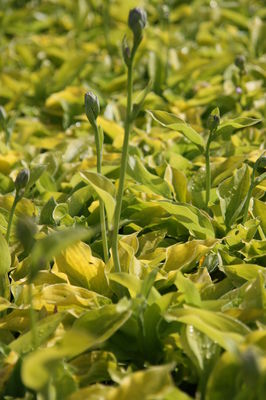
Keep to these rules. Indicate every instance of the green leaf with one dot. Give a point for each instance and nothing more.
(81, 268)
(194, 220)
(175, 394)
(185, 255)
(60, 211)
(232, 193)
(152, 383)
(134, 285)
(5, 258)
(239, 273)
(50, 246)
(157, 185)
(102, 323)
(35, 372)
(172, 122)
(230, 126)
(69, 71)
(104, 189)
(44, 329)
(259, 210)
(79, 199)
(254, 249)
(6, 184)
(224, 330)
(188, 288)
(91, 328)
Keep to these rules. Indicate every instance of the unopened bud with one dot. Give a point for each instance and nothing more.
(92, 107)
(214, 120)
(22, 179)
(261, 162)
(240, 62)
(137, 20)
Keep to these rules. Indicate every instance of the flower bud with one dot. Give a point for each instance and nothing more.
(22, 179)
(240, 62)
(137, 20)
(92, 107)
(213, 120)
(260, 164)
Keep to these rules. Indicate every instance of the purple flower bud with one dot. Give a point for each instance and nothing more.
(137, 20)
(92, 106)
(22, 179)
(213, 120)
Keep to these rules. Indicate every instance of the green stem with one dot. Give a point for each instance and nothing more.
(12, 211)
(102, 210)
(122, 168)
(251, 187)
(208, 170)
(32, 319)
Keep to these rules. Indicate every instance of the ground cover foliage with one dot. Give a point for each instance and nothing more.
(185, 317)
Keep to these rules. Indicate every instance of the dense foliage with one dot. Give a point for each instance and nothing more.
(182, 316)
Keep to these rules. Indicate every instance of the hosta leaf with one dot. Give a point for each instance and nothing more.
(157, 185)
(91, 329)
(259, 210)
(134, 285)
(94, 392)
(254, 249)
(201, 350)
(6, 184)
(172, 122)
(195, 221)
(100, 324)
(64, 297)
(232, 193)
(224, 330)
(44, 329)
(242, 233)
(185, 255)
(188, 288)
(79, 199)
(47, 248)
(5, 258)
(93, 366)
(35, 372)
(232, 125)
(154, 382)
(112, 129)
(248, 366)
(46, 216)
(104, 189)
(239, 273)
(69, 71)
(175, 394)
(81, 268)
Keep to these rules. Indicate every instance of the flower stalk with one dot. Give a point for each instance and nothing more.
(136, 21)
(21, 182)
(92, 109)
(212, 124)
